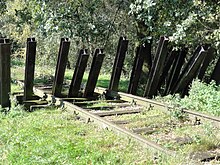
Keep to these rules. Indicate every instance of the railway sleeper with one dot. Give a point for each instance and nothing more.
(144, 130)
(112, 113)
(205, 156)
(106, 107)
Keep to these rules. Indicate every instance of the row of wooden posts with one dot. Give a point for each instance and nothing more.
(169, 72)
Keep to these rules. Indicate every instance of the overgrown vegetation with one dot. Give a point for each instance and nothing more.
(54, 136)
(98, 23)
(202, 97)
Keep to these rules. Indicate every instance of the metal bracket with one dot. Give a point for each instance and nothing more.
(197, 121)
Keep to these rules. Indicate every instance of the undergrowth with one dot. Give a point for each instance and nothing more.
(202, 97)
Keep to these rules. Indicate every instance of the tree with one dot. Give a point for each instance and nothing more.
(187, 22)
(88, 24)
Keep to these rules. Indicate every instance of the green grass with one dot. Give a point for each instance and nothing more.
(202, 97)
(103, 80)
(55, 137)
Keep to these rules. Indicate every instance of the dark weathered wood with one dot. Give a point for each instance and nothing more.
(175, 70)
(189, 73)
(61, 67)
(157, 68)
(206, 62)
(5, 74)
(184, 91)
(105, 107)
(205, 156)
(118, 64)
(88, 103)
(121, 112)
(120, 121)
(59, 53)
(78, 73)
(144, 130)
(215, 74)
(191, 60)
(94, 73)
(29, 68)
(4, 40)
(167, 67)
(143, 52)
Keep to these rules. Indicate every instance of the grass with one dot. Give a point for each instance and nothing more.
(46, 74)
(103, 80)
(55, 137)
(174, 132)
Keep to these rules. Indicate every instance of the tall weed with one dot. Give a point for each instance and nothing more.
(202, 97)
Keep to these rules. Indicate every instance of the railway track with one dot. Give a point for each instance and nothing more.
(150, 123)
(161, 127)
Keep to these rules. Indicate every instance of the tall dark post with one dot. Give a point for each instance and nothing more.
(4, 40)
(61, 67)
(143, 52)
(190, 72)
(29, 68)
(215, 74)
(157, 68)
(78, 73)
(118, 64)
(5, 73)
(167, 66)
(175, 69)
(94, 72)
(206, 62)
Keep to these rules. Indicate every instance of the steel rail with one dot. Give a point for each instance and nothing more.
(70, 107)
(154, 104)
(150, 103)
(107, 124)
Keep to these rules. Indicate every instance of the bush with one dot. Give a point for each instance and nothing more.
(202, 97)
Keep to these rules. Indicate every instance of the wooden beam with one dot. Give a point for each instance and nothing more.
(78, 73)
(61, 67)
(94, 73)
(5, 74)
(29, 68)
(118, 64)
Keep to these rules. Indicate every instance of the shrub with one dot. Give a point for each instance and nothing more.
(202, 97)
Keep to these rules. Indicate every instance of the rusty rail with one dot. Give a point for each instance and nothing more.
(149, 103)
(107, 124)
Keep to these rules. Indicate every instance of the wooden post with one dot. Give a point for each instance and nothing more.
(94, 72)
(189, 73)
(167, 66)
(118, 64)
(143, 52)
(157, 68)
(215, 74)
(206, 62)
(175, 70)
(5, 73)
(78, 73)
(61, 67)
(29, 69)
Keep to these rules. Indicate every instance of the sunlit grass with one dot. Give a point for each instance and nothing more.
(55, 137)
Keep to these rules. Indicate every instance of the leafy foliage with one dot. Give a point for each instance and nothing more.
(89, 24)
(187, 22)
(98, 23)
(202, 97)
